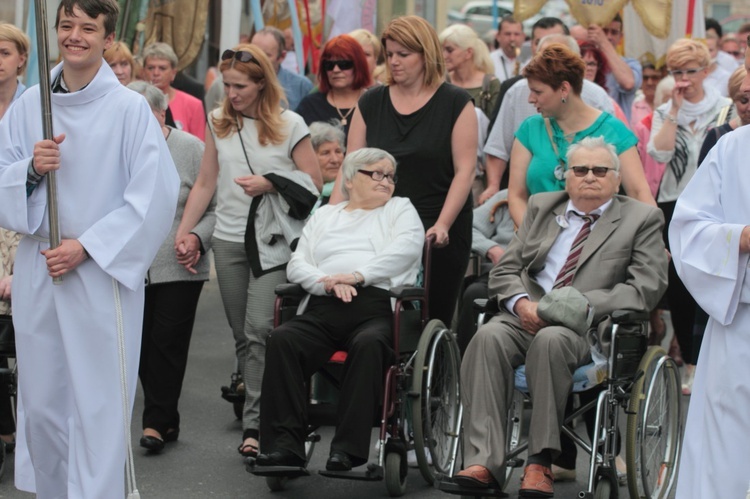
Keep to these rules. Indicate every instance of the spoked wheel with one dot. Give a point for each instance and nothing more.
(654, 427)
(436, 412)
(395, 474)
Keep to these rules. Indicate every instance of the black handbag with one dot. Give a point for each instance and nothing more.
(7, 336)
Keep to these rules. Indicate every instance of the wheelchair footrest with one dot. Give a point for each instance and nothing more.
(516, 462)
(277, 471)
(373, 473)
(451, 487)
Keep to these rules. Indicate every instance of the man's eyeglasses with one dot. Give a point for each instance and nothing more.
(240, 55)
(651, 77)
(379, 176)
(598, 171)
(690, 73)
(343, 64)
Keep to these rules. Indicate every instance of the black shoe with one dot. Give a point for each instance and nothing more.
(338, 461)
(171, 435)
(153, 444)
(280, 457)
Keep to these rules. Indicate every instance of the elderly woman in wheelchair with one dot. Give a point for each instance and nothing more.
(578, 256)
(348, 257)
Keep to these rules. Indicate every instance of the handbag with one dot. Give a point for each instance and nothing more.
(7, 336)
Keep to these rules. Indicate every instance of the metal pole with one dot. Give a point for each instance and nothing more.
(45, 91)
(125, 21)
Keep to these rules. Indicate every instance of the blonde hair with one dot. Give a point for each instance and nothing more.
(686, 51)
(120, 51)
(416, 35)
(268, 121)
(9, 33)
(735, 82)
(465, 38)
(363, 37)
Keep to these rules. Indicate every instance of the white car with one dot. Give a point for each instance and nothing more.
(477, 14)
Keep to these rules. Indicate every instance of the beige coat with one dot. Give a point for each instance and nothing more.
(8, 244)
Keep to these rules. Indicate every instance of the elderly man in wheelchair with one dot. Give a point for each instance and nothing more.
(579, 255)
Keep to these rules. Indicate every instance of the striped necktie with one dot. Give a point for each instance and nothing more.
(568, 271)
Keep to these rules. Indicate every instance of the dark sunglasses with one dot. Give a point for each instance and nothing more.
(343, 64)
(240, 55)
(598, 171)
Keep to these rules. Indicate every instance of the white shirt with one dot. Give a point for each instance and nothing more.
(570, 225)
(505, 67)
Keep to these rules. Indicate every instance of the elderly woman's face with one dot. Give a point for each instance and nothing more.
(454, 55)
(123, 70)
(330, 157)
(159, 72)
(689, 77)
(365, 187)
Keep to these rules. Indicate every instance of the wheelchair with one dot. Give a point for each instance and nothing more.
(421, 396)
(643, 381)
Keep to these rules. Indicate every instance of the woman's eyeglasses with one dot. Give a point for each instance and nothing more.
(598, 171)
(379, 176)
(240, 55)
(343, 64)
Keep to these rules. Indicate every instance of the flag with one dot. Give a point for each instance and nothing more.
(32, 68)
(686, 19)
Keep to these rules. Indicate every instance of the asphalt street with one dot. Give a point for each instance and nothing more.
(204, 463)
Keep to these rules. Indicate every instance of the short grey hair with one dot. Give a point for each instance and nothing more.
(277, 34)
(566, 40)
(155, 97)
(360, 159)
(322, 132)
(593, 143)
(160, 50)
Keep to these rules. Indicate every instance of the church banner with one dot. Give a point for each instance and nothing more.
(181, 24)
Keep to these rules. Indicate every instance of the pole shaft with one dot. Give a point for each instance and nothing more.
(45, 92)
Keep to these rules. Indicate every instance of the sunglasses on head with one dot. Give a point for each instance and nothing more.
(343, 64)
(240, 55)
(598, 171)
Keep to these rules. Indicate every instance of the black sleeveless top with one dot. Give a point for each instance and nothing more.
(420, 142)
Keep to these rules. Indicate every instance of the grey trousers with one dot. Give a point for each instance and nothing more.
(487, 383)
(248, 304)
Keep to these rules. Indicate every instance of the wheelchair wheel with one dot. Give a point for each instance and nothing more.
(395, 474)
(603, 490)
(437, 406)
(654, 427)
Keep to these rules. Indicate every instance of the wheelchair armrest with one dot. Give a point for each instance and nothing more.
(290, 290)
(406, 292)
(480, 304)
(628, 316)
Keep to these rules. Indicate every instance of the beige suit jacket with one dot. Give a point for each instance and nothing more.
(623, 264)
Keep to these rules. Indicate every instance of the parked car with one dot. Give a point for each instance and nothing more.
(477, 14)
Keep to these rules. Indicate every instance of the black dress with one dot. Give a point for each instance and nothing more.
(421, 144)
(315, 107)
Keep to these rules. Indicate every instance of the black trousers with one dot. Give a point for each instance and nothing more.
(682, 306)
(449, 266)
(298, 348)
(168, 318)
(467, 317)
(7, 418)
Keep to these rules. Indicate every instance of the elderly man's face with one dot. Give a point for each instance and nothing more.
(590, 191)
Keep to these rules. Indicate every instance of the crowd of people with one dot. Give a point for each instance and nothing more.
(571, 169)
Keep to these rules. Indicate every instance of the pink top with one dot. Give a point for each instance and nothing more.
(653, 169)
(188, 114)
(640, 110)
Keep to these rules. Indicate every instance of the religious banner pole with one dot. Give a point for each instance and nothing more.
(45, 92)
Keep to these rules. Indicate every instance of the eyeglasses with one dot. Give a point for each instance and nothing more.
(240, 55)
(735, 53)
(343, 64)
(651, 77)
(677, 73)
(379, 176)
(598, 171)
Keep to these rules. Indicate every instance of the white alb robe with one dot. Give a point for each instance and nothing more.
(117, 189)
(704, 236)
